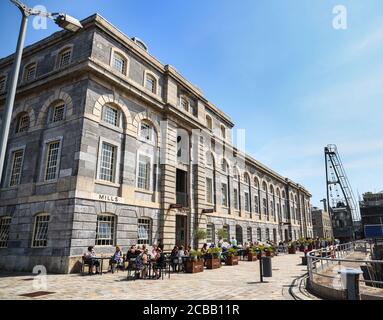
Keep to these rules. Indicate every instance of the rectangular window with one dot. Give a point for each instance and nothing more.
(227, 232)
(105, 230)
(247, 202)
(53, 149)
(58, 113)
(235, 199)
(17, 161)
(40, 234)
(65, 58)
(209, 190)
(5, 224)
(143, 177)
(108, 162)
(118, 63)
(224, 194)
(30, 72)
(210, 233)
(110, 116)
(2, 84)
(264, 202)
(259, 234)
(209, 122)
(150, 84)
(144, 231)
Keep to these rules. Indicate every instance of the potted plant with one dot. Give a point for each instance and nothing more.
(232, 257)
(260, 249)
(213, 260)
(252, 254)
(291, 248)
(199, 235)
(194, 264)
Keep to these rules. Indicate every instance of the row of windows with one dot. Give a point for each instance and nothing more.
(30, 70)
(120, 64)
(209, 125)
(210, 234)
(107, 162)
(105, 230)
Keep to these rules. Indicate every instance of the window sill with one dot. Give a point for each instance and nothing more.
(42, 183)
(144, 191)
(107, 183)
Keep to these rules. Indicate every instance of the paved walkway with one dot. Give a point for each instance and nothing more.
(228, 282)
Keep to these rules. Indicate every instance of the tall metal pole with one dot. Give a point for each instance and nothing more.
(4, 130)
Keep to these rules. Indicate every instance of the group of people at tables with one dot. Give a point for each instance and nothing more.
(143, 257)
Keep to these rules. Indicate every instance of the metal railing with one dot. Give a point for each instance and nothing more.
(333, 258)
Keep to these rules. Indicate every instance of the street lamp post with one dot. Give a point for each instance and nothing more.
(64, 21)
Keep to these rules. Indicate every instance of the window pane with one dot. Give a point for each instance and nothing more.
(22, 123)
(107, 164)
(105, 230)
(41, 231)
(224, 194)
(5, 224)
(210, 233)
(235, 199)
(146, 131)
(52, 160)
(65, 58)
(143, 177)
(30, 72)
(118, 63)
(17, 160)
(2, 84)
(150, 83)
(209, 190)
(110, 115)
(144, 231)
(58, 113)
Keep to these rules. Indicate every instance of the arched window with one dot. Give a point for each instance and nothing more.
(267, 234)
(56, 111)
(257, 197)
(5, 224)
(226, 228)
(30, 72)
(275, 235)
(225, 184)
(223, 132)
(249, 233)
(64, 58)
(111, 115)
(247, 192)
(144, 231)
(210, 179)
(209, 122)
(119, 62)
(40, 230)
(239, 234)
(236, 190)
(272, 202)
(151, 83)
(259, 234)
(22, 122)
(106, 229)
(265, 206)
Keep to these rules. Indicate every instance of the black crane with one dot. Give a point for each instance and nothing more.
(341, 203)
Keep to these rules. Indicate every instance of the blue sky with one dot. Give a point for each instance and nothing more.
(278, 68)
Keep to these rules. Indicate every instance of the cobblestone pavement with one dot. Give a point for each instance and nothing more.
(228, 282)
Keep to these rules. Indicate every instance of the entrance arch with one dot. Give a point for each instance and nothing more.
(239, 234)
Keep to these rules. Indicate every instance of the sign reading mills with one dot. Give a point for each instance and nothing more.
(108, 198)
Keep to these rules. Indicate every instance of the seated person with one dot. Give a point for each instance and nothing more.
(117, 259)
(174, 258)
(90, 259)
(145, 260)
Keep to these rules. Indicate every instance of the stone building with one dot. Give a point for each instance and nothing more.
(109, 146)
(322, 226)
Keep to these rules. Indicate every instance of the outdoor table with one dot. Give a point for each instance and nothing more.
(102, 262)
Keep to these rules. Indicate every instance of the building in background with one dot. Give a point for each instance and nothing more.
(322, 226)
(371, 210)
(103, 151)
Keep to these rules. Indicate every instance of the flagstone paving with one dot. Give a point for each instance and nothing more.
(228, 282)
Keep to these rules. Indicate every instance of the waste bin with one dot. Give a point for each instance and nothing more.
(350, 282)
(266, 266)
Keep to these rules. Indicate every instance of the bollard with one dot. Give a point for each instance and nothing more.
(350, 281)
(266, 266)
